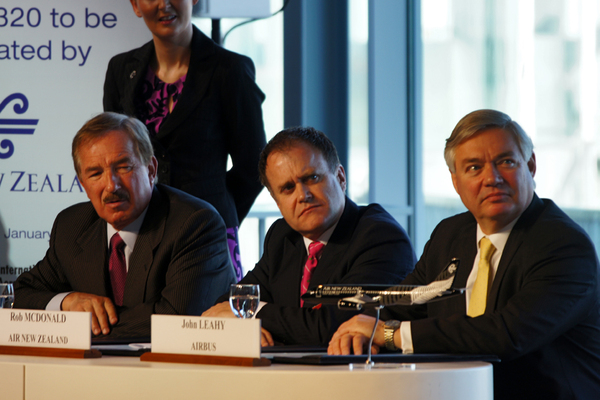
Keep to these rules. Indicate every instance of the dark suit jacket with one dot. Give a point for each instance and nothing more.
(543, 310)
(367, 246)
(179, 265)
(218, 113)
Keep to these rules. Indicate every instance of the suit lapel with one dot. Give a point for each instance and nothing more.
(135, 71)
(467, 255)
(337, 245)
(293, 260)
(199, 77)
(514, 242)
(92, 263)
(465, 249)
(149, 237)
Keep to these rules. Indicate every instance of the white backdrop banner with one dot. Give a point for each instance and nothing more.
(53, 58)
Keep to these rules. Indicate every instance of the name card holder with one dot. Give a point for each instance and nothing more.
(207, 360)
(49, 352)
(46, 334)
(210, 341)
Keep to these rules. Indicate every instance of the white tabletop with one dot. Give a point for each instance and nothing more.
(111, 378)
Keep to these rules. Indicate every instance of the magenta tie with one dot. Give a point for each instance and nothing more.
(314, 251)
(117, 268)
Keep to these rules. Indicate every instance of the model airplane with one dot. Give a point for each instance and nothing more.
(357, 297)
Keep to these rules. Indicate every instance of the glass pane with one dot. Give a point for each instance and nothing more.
(262, 41)
(538, 61)
(358, 158)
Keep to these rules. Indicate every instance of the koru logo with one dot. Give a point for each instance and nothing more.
(452, 268)
(15, 126)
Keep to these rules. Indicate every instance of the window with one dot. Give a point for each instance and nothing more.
(262, 41)
(358, 156)
(537, 61)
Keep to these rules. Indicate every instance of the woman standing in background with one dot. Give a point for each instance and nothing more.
(200, 103)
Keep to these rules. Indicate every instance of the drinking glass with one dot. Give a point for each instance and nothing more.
(7, 295)
(244, 300)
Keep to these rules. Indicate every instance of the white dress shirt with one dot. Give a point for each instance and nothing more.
(324, 238)
(129, 235)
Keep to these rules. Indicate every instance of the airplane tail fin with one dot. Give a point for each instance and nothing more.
(449, 271)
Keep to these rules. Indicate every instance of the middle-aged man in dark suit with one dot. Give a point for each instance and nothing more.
(301, 169)
(542, 312)
(136, 248)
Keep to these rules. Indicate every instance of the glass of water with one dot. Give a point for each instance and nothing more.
(244, 299)
(7, 295)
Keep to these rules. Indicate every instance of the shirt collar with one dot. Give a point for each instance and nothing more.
(499, 238)
(324, 238)
(130, 233)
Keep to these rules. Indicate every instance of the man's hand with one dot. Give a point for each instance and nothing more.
(354, 334)
(102, 308)
(265, 338)
(221, 310)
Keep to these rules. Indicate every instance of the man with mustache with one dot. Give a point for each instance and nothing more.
(362, 245)
(136, 248)
(531, 275)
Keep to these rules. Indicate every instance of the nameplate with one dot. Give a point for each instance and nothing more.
(52, 329)
(230, 337)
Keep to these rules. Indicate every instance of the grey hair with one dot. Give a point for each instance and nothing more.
(480, 120)
(107, 122)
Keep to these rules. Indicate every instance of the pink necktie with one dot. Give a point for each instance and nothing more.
(117, 268)
(314, 251)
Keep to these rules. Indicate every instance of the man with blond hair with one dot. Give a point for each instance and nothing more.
(531, 275)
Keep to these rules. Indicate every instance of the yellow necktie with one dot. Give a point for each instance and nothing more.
(480, 288)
